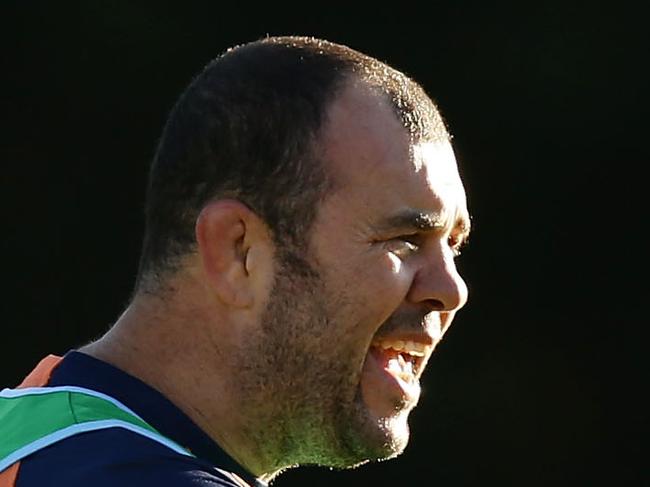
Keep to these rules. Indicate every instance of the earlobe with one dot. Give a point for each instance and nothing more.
(223, 243)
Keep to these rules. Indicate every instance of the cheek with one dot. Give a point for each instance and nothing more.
(394, 273)
(385, 280)
(395, 263)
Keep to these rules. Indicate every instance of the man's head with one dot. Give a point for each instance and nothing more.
(247, 128)
(316, 190)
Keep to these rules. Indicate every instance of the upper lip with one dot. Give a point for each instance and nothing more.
(420, 338)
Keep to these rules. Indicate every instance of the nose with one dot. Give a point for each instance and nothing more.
(437, 283)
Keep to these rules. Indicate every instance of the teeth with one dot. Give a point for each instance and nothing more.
(409, 368)
(401, 360)
(412, 348)
(401, 368)
(394, 365)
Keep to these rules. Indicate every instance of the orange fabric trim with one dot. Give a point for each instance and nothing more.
(40, 376)
(9, 475)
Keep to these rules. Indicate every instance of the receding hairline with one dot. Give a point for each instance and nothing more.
(415, 108)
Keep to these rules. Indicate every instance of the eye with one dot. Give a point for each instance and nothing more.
(456, 244)
(404, 244)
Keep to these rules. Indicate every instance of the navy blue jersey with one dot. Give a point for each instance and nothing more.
(118, 457)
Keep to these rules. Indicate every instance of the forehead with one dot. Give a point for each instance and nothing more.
(376, 167)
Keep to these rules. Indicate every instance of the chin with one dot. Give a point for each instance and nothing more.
(394, 432)
(370, 439)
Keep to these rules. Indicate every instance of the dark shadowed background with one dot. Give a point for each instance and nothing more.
(539, 382)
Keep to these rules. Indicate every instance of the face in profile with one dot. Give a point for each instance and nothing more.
(348, 329)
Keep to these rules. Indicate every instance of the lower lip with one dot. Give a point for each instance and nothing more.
(377, 374)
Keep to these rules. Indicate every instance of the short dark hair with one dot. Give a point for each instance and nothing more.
(246, 128)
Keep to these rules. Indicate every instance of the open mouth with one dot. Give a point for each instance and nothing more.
(402, 359)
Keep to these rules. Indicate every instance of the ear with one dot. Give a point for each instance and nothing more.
(234, 245)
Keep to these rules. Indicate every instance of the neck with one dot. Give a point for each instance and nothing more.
(182, 350)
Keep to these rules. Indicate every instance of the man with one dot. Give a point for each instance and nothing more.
(303, 214)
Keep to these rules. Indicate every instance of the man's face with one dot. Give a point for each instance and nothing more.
(347, 333)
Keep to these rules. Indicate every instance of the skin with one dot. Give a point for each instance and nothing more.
(278, 366)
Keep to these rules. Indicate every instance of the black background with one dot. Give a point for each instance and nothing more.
(540, 381)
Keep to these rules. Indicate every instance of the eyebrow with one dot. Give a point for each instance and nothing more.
(413, 220)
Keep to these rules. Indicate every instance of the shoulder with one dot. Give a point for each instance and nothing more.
(113, 457)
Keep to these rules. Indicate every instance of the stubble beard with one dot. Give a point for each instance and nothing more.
(301, 388)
